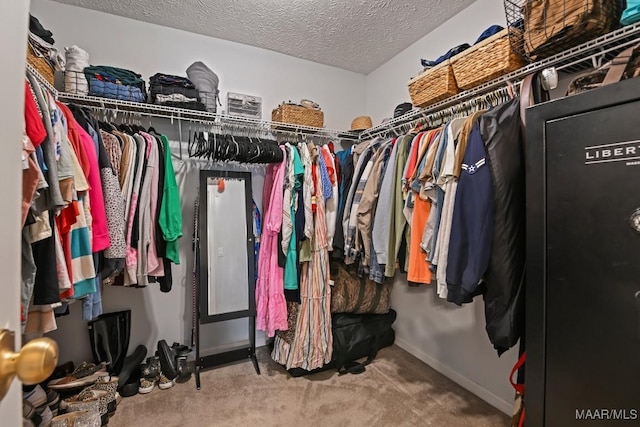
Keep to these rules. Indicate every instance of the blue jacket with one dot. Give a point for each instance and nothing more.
(472, 226)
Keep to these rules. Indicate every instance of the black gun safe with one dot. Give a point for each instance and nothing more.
(583, 259)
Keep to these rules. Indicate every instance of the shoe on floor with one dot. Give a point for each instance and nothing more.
(53, 401)
(164, 383)
(167, 360)
(152, 368)
(130, 388)
(28, 411)
(78, 418)
(46, 417)
(146, 386)
(131, 363)
(37, 397)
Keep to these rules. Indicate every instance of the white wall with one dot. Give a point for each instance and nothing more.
(451, 339)
(13, 26)
(147, 49)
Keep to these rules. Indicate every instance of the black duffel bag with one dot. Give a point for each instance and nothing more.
(356, 336)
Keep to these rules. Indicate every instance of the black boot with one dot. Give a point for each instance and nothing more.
(167, 360)
(109, 335)
(131, 363)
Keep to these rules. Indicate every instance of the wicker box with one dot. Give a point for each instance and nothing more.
(488, 60)
(433, 85)
(41, 65)
(298, 115)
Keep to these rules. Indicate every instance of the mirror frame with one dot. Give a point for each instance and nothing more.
(203, 245)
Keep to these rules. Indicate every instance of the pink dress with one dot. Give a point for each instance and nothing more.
(270, 301)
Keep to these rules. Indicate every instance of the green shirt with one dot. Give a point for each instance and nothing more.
(291, 267)
(170, 209)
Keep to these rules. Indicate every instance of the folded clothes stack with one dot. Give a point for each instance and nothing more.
(115, 83)
(175, 91)
(41, 42)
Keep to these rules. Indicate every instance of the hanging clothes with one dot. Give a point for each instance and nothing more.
(270, 302)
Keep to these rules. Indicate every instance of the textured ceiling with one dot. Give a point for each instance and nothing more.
(356, 35)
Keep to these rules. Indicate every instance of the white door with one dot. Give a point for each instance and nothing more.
(14, 20)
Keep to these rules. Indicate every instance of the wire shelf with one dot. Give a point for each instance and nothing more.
(585, 56)
(590, 54)
(154, 110)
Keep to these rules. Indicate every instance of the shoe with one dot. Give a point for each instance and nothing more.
(46, 417)
(87, 400)
(26, 422)
(109, 335)
(28, 411)
(37, 397)
(77, 419)
(167, 360)
(131, 363)
(85, 374)
(164, 383)
(53, 401)
(184, 369)
(146, 385)
(152, 368)
(132, 385)
(180, 349)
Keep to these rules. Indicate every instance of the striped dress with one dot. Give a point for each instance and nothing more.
(312, 345)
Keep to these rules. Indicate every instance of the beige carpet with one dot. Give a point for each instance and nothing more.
(396, 390)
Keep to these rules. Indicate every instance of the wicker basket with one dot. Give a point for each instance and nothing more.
(297, 115)
(489, 59)
(433, 85)
(41, 65)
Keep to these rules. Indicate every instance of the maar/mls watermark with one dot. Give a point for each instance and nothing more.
(607, 414)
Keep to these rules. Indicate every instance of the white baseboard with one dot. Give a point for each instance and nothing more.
(475, 388)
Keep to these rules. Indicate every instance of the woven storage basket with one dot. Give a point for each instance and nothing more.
(433, 85)
(41, 65)
(489, 59)
(297, 115)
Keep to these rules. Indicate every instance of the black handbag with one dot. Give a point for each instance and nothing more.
(356, 336)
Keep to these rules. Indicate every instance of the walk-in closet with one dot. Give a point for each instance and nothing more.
(317, 213)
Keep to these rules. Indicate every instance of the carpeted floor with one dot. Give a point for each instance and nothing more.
(396, 390)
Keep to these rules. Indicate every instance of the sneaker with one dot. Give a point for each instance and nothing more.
(151, 369)
(53, 401)
(28, 411)
(164, 383)
(37, 397)
(146, 385)
(46, 417)
(184, 369)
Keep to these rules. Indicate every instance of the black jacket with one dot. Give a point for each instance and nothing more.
(504, 279)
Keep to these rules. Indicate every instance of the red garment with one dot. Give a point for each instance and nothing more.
(326, 155)
(314, 199)
(413, 156)
(33, 121)
(99, 229)
(85, 150)
(68, 217)
(74, 138)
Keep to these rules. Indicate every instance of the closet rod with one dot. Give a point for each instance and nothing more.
(440, 117)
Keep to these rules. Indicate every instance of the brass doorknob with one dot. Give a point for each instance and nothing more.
(35, 361)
